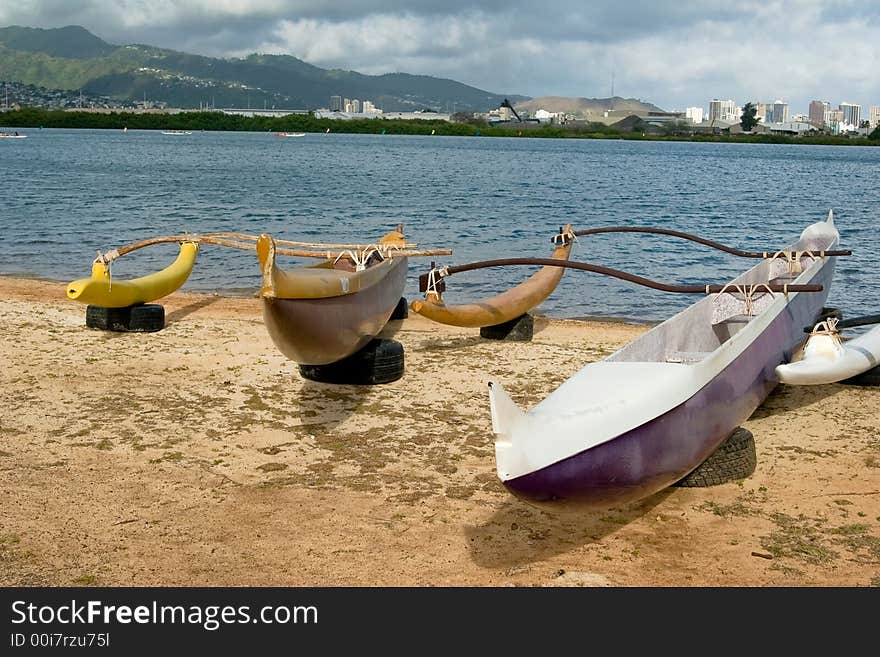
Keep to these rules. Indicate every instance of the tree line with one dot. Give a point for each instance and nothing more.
(462, 125)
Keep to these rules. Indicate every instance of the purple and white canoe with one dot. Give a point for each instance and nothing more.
(627, 426)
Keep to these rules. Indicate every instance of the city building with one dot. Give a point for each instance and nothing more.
(335, 103)
(794, 128)
(544, 116)
(852, 114)
(777, 112)
(274, 113)
(874, 116)
(761, 111)
(723, 110)
(378, 114)
(833, 117)
(695, 114)
(355, 106)
(817, 112)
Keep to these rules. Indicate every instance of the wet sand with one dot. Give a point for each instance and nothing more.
(199, 456)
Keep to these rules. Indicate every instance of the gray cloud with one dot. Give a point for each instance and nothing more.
(675, 54)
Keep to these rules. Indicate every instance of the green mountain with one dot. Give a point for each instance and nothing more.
(74, 59)
(73, 41)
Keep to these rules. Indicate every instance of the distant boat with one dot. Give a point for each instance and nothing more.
(176, 132)
(125, 129)
(290, 134)
(11, 135)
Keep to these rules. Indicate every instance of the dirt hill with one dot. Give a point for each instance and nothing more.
(586, 107)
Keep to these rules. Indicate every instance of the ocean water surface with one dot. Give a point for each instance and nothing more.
(70, 193)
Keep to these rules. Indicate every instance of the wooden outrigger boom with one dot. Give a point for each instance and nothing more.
(704, 241)
(101, 289)
(248, 243)
(518, 300)
(615, 273)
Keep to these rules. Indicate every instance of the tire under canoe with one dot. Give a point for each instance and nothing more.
(381, 361)
(140, 318)
(735, 459)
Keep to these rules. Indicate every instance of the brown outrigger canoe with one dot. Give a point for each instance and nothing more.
(320, 314)
(503, 307)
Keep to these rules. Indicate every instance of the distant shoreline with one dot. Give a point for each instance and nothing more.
(219, 122)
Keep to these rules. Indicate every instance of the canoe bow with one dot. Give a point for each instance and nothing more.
(503, 307)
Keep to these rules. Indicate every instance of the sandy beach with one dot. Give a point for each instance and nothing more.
(199, 456)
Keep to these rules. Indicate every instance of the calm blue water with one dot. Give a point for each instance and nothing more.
(69, 193)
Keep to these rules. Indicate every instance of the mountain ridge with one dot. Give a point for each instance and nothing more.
(73, 58)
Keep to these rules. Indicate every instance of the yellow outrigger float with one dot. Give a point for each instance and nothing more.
(101, 289)
(501, 308)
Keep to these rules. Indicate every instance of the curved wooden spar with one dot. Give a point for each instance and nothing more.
(615, 273)
(502, 307)
(103, 290)
(700, 240)
(248, 243)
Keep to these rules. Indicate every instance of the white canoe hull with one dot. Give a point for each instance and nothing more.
(639, 420)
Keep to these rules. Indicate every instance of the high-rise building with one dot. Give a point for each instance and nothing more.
(817, 112)
(335, 103)
(695, 114)
(356, 106)
(778, 112)
(761, 111)
(722, 110)
(833, 117)
(874, 116)
(852, 114)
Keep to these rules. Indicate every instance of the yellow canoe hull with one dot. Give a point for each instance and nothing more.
(321, 314)
(102, 290)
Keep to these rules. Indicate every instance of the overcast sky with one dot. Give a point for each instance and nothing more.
(676, 54)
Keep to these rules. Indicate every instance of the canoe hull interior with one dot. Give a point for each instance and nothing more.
(324, 330)
(650, 457)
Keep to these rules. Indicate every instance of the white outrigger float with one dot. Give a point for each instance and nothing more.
(828, 359)
(643, 418)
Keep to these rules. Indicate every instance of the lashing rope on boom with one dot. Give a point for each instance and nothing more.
(828, 326)
(436, 275)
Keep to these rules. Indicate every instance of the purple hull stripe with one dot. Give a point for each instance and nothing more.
(655, 455)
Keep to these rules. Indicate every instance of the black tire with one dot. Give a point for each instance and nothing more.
(401, 310)
(147, 318)
(735, 459)
(381, 361)
(868, 378)
(520, 329)
(108, 319)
